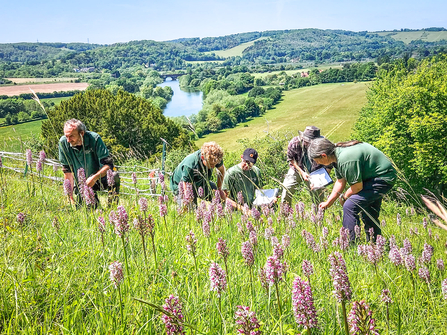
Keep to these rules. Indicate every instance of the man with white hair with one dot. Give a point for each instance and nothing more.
(79, 148)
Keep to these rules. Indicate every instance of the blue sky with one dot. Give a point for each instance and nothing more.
(111, 21)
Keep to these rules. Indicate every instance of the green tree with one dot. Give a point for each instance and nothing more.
(128, 124)
(406, 117)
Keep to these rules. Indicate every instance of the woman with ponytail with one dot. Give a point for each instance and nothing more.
(367, 171)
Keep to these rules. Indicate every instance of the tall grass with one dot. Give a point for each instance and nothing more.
(56, 280)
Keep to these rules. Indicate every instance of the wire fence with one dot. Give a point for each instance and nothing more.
(148, 179)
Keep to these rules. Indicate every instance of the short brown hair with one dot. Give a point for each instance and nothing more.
(212, 151)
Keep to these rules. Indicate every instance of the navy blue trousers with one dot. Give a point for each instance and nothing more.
(366, 204)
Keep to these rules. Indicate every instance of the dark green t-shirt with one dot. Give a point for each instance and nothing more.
(87, 156)
(236, 180)
(361, 162)
(192, 170)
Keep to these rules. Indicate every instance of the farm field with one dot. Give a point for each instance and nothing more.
(12, 136)
(68, 270)
(408, 36)
(42, 88)
(333, 108)
(56, 101)
(236, 51)
(292, 72)
(40, 80)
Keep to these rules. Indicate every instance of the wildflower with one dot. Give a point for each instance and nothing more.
(218, 278)
(174, 322)
(250, 226)
(440, 264)
(427, 253)
(222, 249)
(121, 222)
(386, 296)
(444, 288)
(240, 229)
(161, 177)
(299, 207)
(110, 178)
(116, 273)
(255, 214)
(274, 240)
(303, 304)
(29, 158)
(410, 262)
(307, 267)
(360, 319)
(142, 202)
(265, 210)
(217, 199)
(134, 178)
(274, 270)
(424, 222)
(240, 198)
(219, 211)
(340, 280)
(101, 225)
(268, 233)
(343, 241)
(1, 162)
(200, 192)
(247, 253)
(393, 243)
(140, 225)
(310, 241)
(398, 219)
(253, 237)
(278, 251)
(163, 210)
(206, 229)
(191, 242)
(39, 166)
(55, 223)
(247, 321)
(325, 232)
(357, 231)
(228, 207)
(383, 223)
(68, 190)
(407, 246)
(424, 274)
(188, 194)
(21, 218)
(395, 256)
(89, 196)
(285, 241)
(263, 279)
(81, 178)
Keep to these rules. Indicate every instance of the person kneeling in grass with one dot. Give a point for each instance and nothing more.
(369, 173)
(197, 169)
(243, 177)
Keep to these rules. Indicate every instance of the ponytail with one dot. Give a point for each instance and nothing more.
(347, 144)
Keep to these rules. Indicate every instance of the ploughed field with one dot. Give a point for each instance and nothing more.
(42, 88)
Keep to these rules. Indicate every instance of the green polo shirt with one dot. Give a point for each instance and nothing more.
(192, 170)
(236, 180)
(361, 162)
(87, 156)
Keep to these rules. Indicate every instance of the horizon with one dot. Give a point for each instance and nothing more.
(115, 21)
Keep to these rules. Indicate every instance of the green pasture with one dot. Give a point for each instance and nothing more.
(41, 80)
(334, 108)
(11, 137)
(293, 72)
(236, 51)
(408, 36)
(56, 101)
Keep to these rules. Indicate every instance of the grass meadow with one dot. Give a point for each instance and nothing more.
(55, 263)
(13, 136)
(236, 51)
(41, 80)
(408, 36)
(293, 72)
(333, 108)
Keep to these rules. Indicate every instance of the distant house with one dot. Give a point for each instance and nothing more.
(304, 74)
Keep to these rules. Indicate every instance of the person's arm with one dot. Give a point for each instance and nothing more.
(353, 189)
(303, 174)
(70, 177)
(339, 186)
(98, 175)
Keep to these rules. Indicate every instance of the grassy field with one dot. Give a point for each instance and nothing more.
(292, 72)
(12, 136)
(333, 108)
(236, 51)
(408, 36)
(56, 101)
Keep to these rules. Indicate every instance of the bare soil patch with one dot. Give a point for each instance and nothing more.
(42, 88)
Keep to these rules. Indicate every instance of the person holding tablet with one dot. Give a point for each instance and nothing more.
(369, 174)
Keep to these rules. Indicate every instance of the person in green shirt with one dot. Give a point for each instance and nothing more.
(197, 169)
(243, 177)
(367, 171)
(79, 148)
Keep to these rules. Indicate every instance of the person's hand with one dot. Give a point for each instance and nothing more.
(223, 196)
(324, 205)
(305, 176)
(91, 180)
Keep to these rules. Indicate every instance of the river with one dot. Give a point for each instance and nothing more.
(182, 103)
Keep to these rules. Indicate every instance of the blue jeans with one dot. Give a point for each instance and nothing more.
(367, 203)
